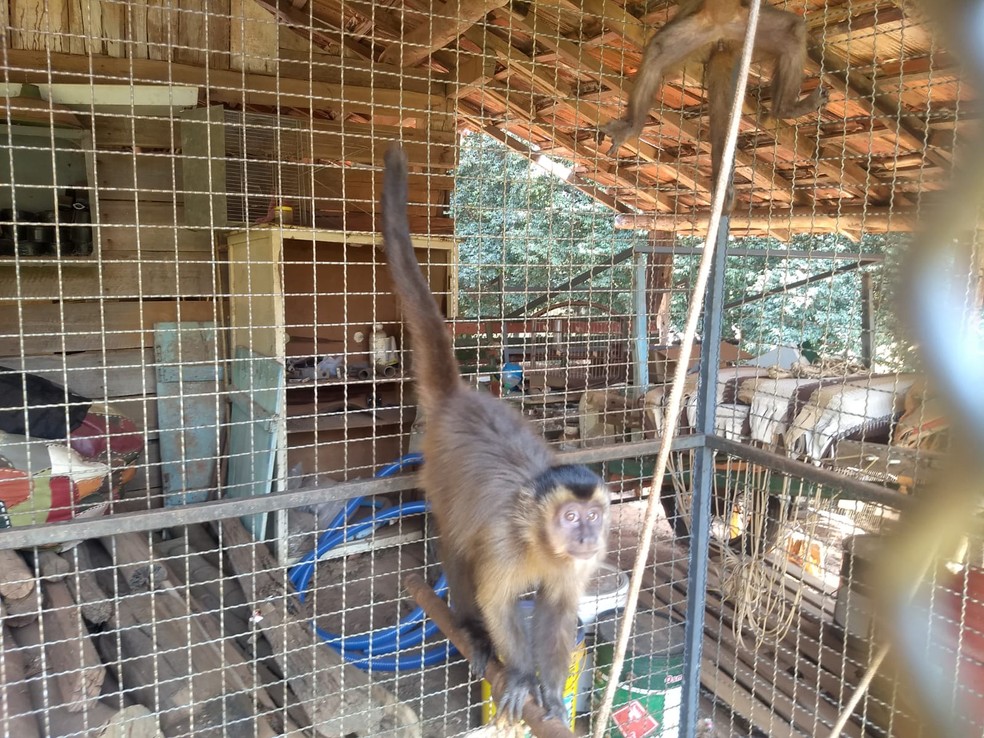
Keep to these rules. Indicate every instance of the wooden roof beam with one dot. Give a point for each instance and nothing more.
(592, 114)
(573, 179)
(797, 220)
(223, 86)
(576, 152)
(861, 89)
(616, 18)
(849, 176)
(573, 55)
(534, 73)
(301, 24)
(447, 21)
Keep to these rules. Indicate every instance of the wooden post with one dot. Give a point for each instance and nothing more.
(98, 720)
(867, 320)
(131, 554)
(95, 604)
(438, 611)
(659, 288)
(16, 579)
(15, 698)
(314, 671)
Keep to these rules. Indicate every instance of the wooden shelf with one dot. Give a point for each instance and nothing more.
(317, 384)
(310, 422)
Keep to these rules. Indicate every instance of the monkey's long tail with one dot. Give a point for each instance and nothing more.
(435, 365)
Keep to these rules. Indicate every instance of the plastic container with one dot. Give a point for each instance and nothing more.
(650, 688)
(570, 686)
(606, 592)
(378, 345)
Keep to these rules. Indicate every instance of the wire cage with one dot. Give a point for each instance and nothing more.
(209, 433)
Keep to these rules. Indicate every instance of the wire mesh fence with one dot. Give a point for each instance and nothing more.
(208, 411)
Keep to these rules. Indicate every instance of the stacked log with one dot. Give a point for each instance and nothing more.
(183, 647)
(21, 598)
(52, 714)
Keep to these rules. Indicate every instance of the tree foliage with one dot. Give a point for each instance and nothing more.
(522, 230)
(521, 226)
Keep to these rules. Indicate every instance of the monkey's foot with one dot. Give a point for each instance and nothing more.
(519, 686)
(551, 699)
(620, 131)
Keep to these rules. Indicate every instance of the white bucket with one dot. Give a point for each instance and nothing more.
(607, 590)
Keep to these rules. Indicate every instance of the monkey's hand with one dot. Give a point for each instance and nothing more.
(551, 699)
(518, 686)
(482, 649)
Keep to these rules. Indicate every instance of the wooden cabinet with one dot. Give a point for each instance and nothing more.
(296, 293)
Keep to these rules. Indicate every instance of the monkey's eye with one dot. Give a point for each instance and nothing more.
(570, 516)
(593, 515)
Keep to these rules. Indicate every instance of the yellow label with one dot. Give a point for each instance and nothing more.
(570, 687)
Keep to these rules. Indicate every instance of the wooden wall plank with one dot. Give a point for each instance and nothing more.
(160, 277)
(5, 23)
(80, 25)
(127, 131)
(190, 45)
(162, 29)
(253, 38)
(128, 373)
(136, 28)
(50, 328)
(29, 24)
(159, 235)
(114, 25)
(218, 33)
(122, 176)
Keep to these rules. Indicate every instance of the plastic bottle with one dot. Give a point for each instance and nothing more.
(378, 344)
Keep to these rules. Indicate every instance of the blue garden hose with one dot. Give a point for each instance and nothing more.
(374, 651)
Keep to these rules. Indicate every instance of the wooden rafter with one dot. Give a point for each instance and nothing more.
(587, 112)
(574, 55)
(861, 89)
(575, 180)
(298, 21)
(616, 18)
(848, 219)
(446, 22)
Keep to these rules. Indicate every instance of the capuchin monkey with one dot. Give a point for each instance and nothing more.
(510, 518)
(715, 30)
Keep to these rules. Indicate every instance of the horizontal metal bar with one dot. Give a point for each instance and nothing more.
(855, 489)
(205, 512)
(830, 273)
(598, 454)
(772, 253)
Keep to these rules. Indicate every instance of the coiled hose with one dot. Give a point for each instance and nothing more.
(377, 650)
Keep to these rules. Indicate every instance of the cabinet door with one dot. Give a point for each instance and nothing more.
(256, 298)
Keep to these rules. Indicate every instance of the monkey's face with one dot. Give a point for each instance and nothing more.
(580, 527)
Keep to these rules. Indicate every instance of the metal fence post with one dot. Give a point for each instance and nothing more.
(703, 485)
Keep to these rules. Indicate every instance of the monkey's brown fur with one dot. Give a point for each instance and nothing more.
(510, 520)
(715, 30)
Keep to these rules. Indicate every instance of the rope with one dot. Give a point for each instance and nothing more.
(679, 377)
